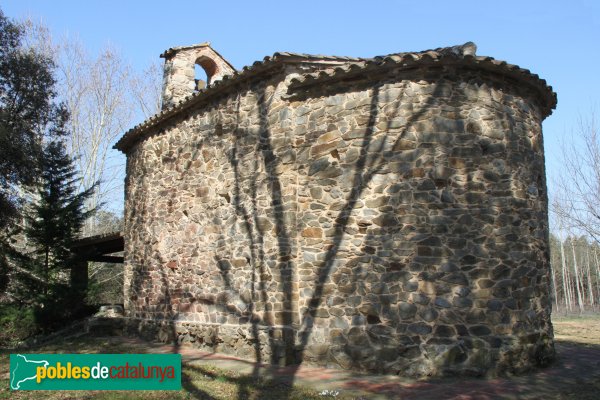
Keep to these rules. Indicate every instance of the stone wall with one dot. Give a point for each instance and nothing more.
(395, 223)
(202, 205)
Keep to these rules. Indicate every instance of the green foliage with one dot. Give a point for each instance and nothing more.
(16, 323)
(106, 286)
(28, 113)
(58, 308)
(53, 222)
(55, 219)
(33, 156)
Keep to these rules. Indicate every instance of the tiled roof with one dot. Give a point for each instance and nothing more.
(345, 67)
(228, 81)
(463, 55)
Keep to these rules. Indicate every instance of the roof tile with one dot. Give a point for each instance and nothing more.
(456, 54)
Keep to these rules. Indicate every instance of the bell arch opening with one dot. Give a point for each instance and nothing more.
(204, 69)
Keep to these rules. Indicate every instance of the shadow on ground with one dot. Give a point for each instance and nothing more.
(575, 375)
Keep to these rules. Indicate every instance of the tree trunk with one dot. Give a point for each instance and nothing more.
(577, 282)
(597, 273)
(555, 290)
(565, 278)
(589, 278)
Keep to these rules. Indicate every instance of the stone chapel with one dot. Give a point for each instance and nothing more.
(385, 214)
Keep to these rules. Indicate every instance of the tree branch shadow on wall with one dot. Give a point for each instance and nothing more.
(138, 294)
(143, 297)
(372, 160)
(248, 213)
(365, 169)
(170, 329)
(258, 259)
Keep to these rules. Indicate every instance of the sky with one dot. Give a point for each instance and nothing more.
(558, 40)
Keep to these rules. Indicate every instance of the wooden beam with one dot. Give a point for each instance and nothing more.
(107, 259)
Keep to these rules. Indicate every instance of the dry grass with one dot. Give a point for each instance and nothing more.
(584, 329)
(574, 333)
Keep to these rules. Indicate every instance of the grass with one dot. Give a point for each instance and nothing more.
(209, 382)
(577, 329)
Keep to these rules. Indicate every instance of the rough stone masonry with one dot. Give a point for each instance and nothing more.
(385, 214)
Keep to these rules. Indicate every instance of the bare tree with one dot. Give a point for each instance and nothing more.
(95, 90)
(37, 36)
(578, 196)
(576, 207)
(146, 89)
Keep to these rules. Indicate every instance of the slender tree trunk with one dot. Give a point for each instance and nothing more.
(597, 273)
(577, 283)
(581, 270)
(565, 278)
(554, 286)
(589, 278)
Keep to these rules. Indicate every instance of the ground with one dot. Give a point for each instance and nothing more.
(575, 375)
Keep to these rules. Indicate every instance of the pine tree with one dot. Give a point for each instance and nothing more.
(29, 112)
(55, 218)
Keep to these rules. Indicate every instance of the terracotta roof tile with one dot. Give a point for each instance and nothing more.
(342, 67)
(448, 55)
